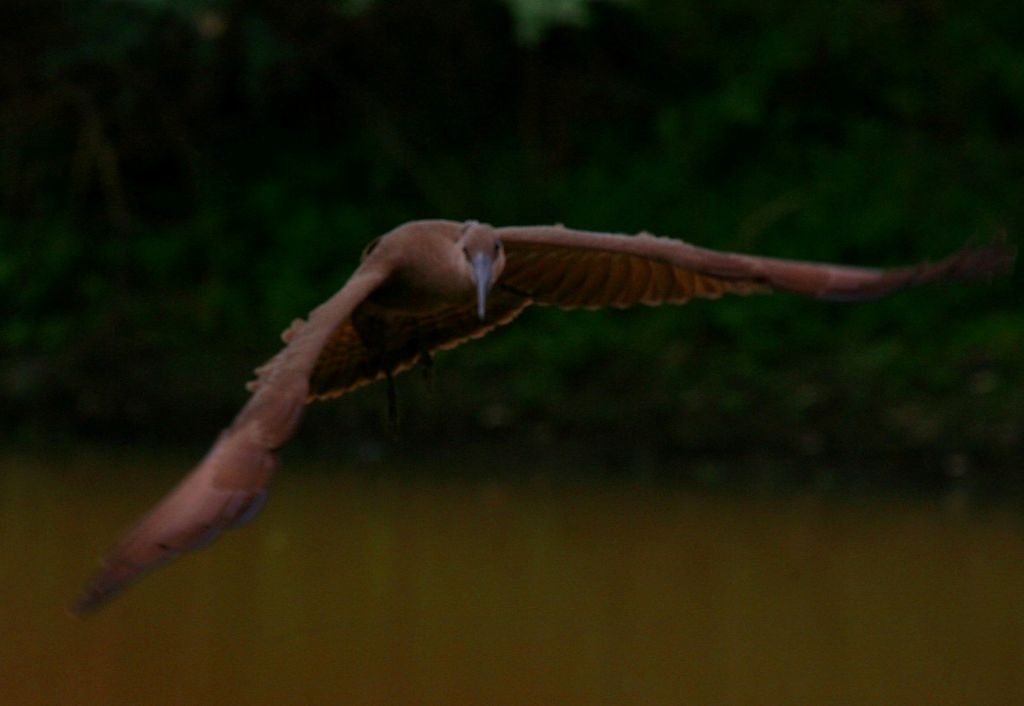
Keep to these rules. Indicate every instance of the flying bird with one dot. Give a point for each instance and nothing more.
(430, 285)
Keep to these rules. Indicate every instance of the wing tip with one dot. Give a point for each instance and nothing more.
(992, 259)
(86, 605)
(96, 594)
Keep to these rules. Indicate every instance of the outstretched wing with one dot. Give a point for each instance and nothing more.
(228, 486)
(572, 268)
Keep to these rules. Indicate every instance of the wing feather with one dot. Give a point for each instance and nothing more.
(543, 262)
(617, 282)
(229, 485)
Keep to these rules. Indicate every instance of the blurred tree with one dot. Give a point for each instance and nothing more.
(180, 179)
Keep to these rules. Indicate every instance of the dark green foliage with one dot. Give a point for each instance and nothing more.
(179, 180)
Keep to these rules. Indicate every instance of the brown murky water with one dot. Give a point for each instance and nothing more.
(356, 587)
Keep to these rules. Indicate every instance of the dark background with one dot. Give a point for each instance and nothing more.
(178, 180)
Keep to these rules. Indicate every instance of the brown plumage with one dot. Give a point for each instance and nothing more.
(430, 285)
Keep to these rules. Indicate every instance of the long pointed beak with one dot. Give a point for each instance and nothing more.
(482, 266)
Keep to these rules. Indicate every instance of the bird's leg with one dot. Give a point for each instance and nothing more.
(426, 363)
(392, 403)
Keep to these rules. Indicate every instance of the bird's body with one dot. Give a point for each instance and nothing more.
(430, 285)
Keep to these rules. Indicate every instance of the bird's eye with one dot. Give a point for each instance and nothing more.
(465, 251)
(497, 247)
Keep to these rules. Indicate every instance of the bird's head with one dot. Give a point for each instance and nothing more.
(485, 256)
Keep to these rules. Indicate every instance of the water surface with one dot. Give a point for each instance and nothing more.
(365, 587)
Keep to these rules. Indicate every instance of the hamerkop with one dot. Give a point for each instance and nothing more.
(430, 285)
